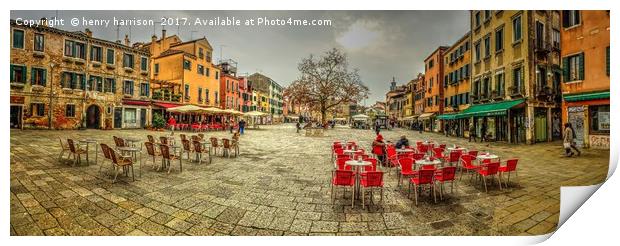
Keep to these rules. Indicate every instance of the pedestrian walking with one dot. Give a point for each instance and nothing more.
(472, 132)
(241, 126)
(573, 143)
(378, 148)
(483, 132)
(568, 140)
(172, 123)
(420, 127)
(298, 126)
(377, 127)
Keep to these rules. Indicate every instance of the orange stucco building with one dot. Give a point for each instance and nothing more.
(585, 64)
(229, 88)
(182, 72)
(456, 86)
(433, 96)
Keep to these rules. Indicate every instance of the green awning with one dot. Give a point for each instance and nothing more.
(448, 116)
(586, 96)
(489, 109)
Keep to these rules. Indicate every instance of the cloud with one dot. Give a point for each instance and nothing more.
(359, 35)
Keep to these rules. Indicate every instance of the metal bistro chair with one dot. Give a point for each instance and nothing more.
(226, 147)
(187, 148)
(214, 145)
(199, 150)
(106, 156)
(167, 157)
(150, 150)
(63, 148)
(151, 138)
(121, 162)
(76, 152)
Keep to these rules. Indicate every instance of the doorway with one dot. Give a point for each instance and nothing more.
(16, 116)
(118, 118)
(142, 118)
(93, 117)
(540, 124)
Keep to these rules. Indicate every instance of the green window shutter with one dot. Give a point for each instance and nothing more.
(12, 75)
(565, 69)
(32, 75)
(24, 78)
(113, 86)
(83, 82)
(607, 59)
(73, 80)
(44, 77)
(582, 68)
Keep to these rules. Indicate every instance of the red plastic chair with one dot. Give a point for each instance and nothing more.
(443, 146)
(406, 168)
(422, 148)
(418, 156)
(490, 169)
(423, 177)
(341, 164)
(511, 166)
(473, 153)
(369, 181)
(467, 165)
(372, 167)
(453, 157)
(392, 157)
(446, 174)
(343, 178)
(438, 153)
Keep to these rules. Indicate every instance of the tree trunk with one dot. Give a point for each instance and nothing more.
(323, 114)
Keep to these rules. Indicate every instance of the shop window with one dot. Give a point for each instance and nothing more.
(37, 109)
(599, 119)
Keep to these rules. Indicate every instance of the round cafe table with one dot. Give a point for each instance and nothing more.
(487, 156)
(357, 165)
(351, 152)
(87, 142)
(132, 141)
(450, 149)
(404, 150)
(427, 162)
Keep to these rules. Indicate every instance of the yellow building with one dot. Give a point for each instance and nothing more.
(182, 72)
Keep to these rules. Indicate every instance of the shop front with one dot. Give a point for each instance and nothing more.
(135, 114)
(428, 122)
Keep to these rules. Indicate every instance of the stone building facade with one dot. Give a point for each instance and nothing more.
(68, 80)
(516, 58)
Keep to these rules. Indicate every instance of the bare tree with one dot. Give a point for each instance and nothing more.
(326, 82)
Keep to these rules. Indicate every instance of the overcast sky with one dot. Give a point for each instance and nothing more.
(381, 44)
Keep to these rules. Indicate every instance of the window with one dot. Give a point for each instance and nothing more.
(144, 63)
(431, 63)
(574, 67)
(477, 19)
(499, 83)
(75, 49)
(541, 77)
(187, 91)
(217, 75)
(199, 94)
(477, 51)
(555, 38)
(599, 119)
(18, 74)
(540, 34)
(38, 76)
(39, 42)
(128, 60)
(94, 83)
(207, 95)
(18, 39)
(70, 110)
(144, 89)
(487, 15)
(37, 109)
(109, 85)
(130, 115)
(487, 46)
(110, 56)
(73, 80)
(227, 85)
(207, 72)
(156, 68)
(187, 65)
(517, 78)
(200, 53)
(201, 69)
(499, 40)
(217, 100)
(95, 54)
(570, 18)
(516, 29)
(128, 87)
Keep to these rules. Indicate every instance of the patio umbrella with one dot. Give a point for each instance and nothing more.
(186, 109)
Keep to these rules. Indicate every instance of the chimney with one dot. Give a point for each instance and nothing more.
(153, 38)
(163, 40)
(127, 43)
(88, 32)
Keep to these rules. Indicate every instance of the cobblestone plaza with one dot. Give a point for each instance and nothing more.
(278, 185)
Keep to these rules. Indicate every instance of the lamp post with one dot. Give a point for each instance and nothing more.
(51, 108)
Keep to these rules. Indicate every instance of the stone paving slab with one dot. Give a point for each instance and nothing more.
(279, 185)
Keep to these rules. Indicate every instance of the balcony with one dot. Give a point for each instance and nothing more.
(542, 48)
(517, 91)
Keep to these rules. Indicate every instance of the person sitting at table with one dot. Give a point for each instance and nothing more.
(402, 142)
(378, 148)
